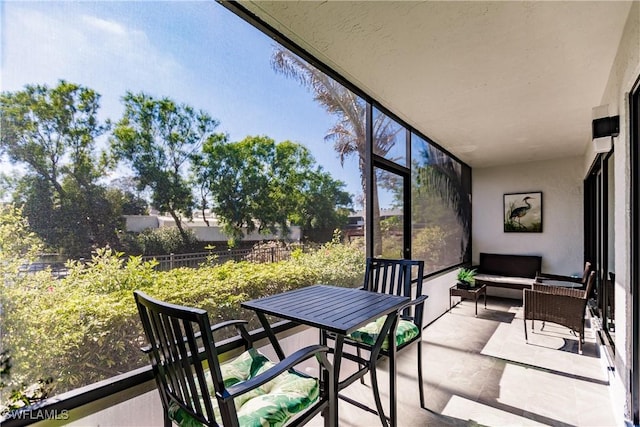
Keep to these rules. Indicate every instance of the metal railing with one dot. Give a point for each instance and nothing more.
(195, 260)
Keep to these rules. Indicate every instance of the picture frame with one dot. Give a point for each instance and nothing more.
(522, 212)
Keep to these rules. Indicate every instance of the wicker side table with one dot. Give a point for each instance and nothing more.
(471, 293)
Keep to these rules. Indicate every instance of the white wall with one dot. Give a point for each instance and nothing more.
(203, 232)
(438, 290)
(139, 223)
(136, 410)
(561, 242)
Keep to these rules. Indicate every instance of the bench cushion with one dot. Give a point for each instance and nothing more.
(505, 280)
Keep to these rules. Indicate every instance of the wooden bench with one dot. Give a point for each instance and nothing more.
(508, 271)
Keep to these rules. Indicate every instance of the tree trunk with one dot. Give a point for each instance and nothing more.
(374, 205)
(178, 222)
(377, 232)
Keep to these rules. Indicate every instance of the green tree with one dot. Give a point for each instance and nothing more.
(8, 184)
(52, 133)
(18, 243)
(127, 202)
(158, 137)
(348, 134)
(262, 185)
(324, 204)
(125, 190)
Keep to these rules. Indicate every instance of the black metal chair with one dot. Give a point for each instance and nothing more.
(195, 388)
(396, 277)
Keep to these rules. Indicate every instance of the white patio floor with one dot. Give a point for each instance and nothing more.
(479, 371)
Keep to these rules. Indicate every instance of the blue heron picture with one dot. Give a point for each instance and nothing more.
(523, 212)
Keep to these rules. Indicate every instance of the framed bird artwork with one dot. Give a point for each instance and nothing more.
(523, 212)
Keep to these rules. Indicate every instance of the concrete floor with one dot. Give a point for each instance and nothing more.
(479, 371)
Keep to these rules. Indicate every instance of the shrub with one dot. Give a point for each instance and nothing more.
(334, 263)
(429, 245)
(84, 327)
(164, 241)
(18, 246)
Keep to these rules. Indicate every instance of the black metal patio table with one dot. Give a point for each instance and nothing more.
(340, 311)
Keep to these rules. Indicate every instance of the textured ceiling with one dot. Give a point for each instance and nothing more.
(492, 82)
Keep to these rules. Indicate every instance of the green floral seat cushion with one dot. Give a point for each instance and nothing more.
(270, 405)
(368, 334)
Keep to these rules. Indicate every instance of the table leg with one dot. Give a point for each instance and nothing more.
(475, 298)
(330, 413)
(393, 392)
(272, 338)
(337, 359)
(329, 380)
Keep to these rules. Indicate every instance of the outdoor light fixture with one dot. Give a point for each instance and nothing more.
(603, 129)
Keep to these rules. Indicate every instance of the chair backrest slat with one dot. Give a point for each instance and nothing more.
(186, 370)
(165, 356)
(176, 356)
(395, 276)
(175, 372)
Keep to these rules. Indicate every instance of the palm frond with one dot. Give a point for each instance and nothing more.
(444, 176)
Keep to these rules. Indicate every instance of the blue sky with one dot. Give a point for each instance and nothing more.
(196, 53)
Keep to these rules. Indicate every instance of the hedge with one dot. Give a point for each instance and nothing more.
(84, 328)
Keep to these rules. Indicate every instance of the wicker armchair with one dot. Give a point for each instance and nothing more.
(557, 279)
(556, 304)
